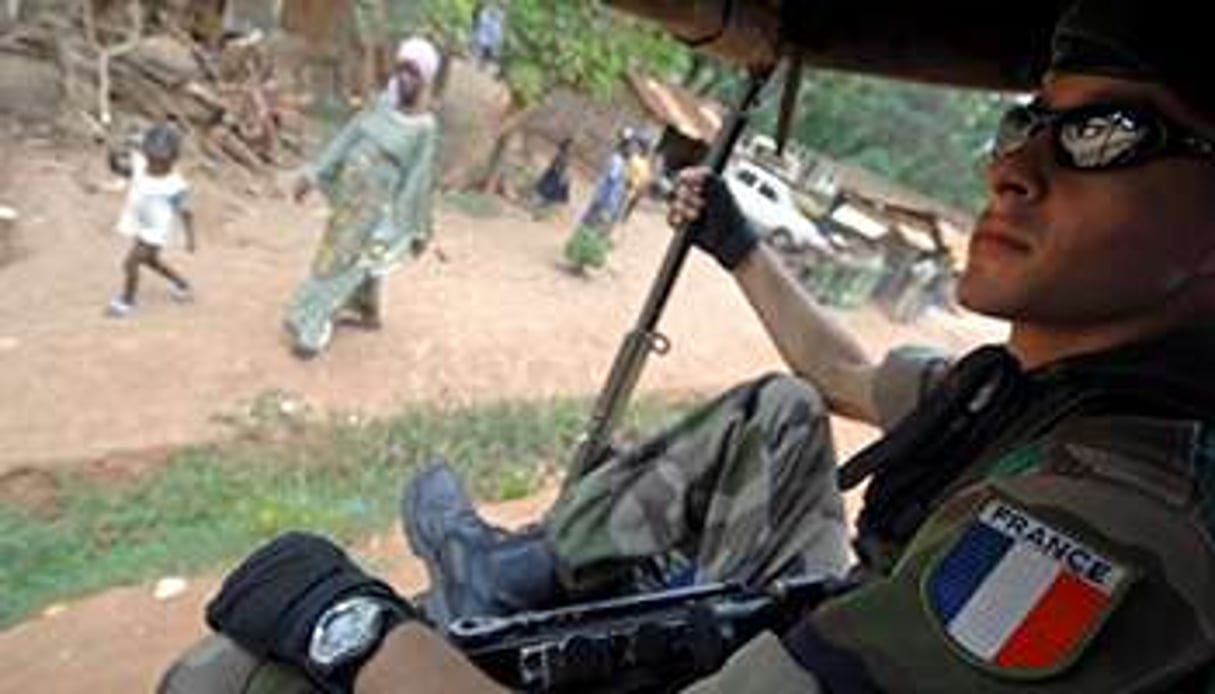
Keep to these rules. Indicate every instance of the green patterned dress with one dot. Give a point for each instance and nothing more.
(378, 174)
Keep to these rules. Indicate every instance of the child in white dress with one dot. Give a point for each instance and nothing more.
(156, 201)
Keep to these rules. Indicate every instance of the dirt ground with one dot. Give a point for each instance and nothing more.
(487, 314)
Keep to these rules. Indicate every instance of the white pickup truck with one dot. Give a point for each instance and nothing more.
(768, 203)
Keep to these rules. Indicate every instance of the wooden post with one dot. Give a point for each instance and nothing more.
(106, 54)
(8, 224)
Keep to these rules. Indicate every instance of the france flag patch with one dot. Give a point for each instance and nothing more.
(1020, 597)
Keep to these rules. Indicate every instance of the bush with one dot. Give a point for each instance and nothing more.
(586, 248)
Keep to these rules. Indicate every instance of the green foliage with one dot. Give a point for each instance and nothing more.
(573, 43)
(449, 21)
(929, 138)
(585, 248)
(286, 467)
(579, 44)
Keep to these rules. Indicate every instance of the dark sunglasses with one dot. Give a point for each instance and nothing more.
(1099, 136)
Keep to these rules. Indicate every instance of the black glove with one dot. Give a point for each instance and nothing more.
(721, 230)
(273, 602)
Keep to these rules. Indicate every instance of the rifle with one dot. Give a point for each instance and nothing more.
(595, 443)
(658, 642)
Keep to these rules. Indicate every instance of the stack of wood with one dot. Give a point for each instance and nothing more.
(121, 77)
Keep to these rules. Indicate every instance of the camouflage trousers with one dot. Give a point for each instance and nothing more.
(743, 489)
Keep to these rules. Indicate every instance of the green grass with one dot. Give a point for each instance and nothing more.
(283, 467)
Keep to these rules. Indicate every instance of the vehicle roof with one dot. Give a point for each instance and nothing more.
(748, 164)
(1003, 46)
(989, 45)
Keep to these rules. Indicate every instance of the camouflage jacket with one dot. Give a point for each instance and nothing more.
(1072, 552)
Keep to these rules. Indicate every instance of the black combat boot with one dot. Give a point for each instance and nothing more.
(476, 569)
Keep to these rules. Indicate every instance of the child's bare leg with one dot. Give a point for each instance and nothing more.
(152, 260)
(130, 269)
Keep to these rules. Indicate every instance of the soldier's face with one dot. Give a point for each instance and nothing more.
(1071, 247)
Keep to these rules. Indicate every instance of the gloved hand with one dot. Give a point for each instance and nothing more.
(718, 226)
(301, 600)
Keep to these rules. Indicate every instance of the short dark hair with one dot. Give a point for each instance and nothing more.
(162, 141)
(1163, 41)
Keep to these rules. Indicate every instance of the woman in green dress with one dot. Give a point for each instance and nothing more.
(378, 176)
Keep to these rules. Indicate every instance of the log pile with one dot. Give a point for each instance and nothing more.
(118, 77)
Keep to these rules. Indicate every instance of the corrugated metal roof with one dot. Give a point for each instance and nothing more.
(692, 116)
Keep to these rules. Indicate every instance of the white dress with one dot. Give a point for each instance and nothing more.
(152, 204)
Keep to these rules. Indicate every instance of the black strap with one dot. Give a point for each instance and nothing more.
(971, 388)
(788, 101)
(987, 406)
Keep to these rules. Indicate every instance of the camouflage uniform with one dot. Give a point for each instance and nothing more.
(1078, 558)
(743, 489)
(1121, 489)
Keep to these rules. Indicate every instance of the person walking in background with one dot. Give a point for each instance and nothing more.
(608, 198)
(553, 187)
(391, 95)
(638, 174)
(588, 246)
(378, 175)
(155, 204)
(489, 30)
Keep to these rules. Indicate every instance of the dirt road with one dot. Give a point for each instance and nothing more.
(486, 315)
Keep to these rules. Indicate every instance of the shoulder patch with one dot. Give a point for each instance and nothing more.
(1019, 597)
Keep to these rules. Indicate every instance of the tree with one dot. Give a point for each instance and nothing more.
(576, 44)
(928, 138)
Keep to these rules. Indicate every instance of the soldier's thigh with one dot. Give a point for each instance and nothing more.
(216, 665)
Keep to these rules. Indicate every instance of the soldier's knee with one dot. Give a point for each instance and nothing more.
(792, 400)
(216, 665)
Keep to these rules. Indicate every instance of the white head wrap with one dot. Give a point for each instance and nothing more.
(422, 54)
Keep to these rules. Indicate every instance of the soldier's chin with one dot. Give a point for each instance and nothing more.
(984, 296)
